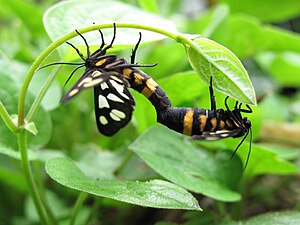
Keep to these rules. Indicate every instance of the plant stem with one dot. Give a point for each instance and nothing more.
(42, 193)
(54, 45)
(6, 118)
(34, 107)
(81, 198)
(94, 211)
(21, 105)
(29, 176)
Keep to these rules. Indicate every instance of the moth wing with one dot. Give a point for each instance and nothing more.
(216, 135)
(90, 78)
(114, 105)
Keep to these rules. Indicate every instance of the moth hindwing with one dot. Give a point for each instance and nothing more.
(114, 105)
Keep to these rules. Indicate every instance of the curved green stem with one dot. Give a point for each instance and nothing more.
(7, 120)
(21, 114)
(42, 193)
(80, 200)
(35, 105)
(21, 104)
(22, 142)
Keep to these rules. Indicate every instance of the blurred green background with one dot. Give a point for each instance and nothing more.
(265, 37)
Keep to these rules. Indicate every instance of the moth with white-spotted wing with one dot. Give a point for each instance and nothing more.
(113, 101)
(112, 76)
(114, 105)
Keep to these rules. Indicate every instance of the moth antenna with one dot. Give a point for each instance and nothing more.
(241, 142)
(250, 147)
(60, 63)
(73, 73)
(136, 65)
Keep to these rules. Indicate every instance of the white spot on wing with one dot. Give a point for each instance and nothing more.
(96, 73)
(117, 79)
(102, 102)
(73, 92)
(114, 117)
(117, 115)
(92, 82)
(103, 120)
(103, 85)
(85, 80)
(119, 88)
(114, 98)
(211, 138)
(125, 96)
(223, 133)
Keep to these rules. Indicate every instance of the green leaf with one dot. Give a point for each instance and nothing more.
(173, 63)
(165, 223)
(51, 99)
(88, 158)
(31, 128)
(229, 75)
(276, 64)
(188, 81)
(155, 193)
(251, 36)
(149, 5)
(67, 16)
(30, 15)
(9, 95)
(145, 114)
(176, 159)
(267, 10)
(12, 178)
(275, 218)
(59, 209)
(15, 154)
(262, 160)
(210, 21)
(272, 218)
(53, 95)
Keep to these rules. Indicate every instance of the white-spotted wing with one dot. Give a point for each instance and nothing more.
(211, 136)
(89, 79)
(114, 105)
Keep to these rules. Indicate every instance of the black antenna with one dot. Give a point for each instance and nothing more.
(73, 73)
(241, 142)
(250, 147)
(135, 65)
(60, 63)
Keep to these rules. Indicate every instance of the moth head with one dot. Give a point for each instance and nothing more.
(246, 123)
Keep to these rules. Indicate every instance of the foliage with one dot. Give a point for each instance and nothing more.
(55, 168)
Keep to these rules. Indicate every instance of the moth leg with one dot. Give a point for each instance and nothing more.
(212, 97)
(132, 57)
